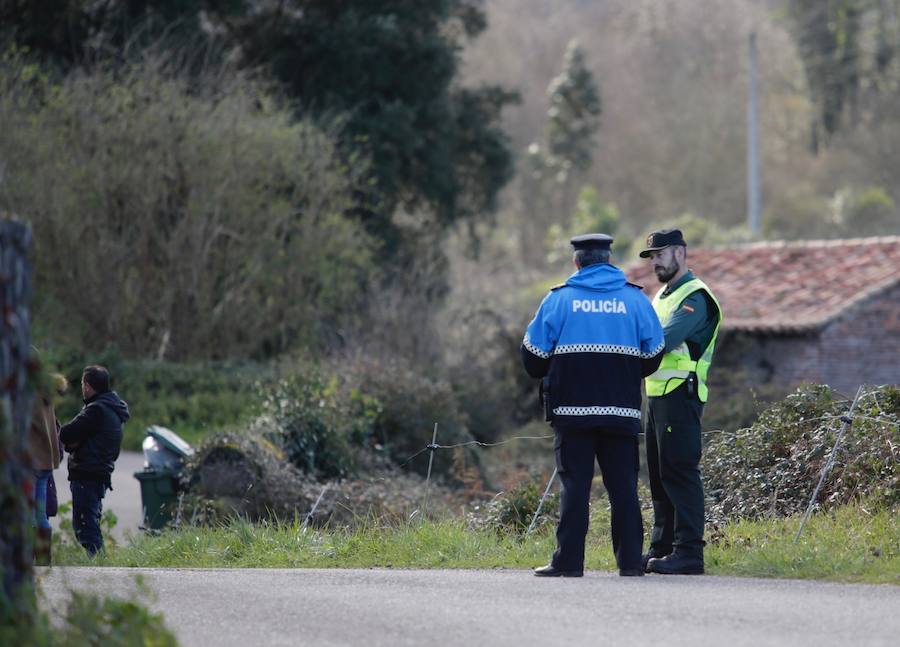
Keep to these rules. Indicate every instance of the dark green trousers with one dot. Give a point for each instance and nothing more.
(672, 438)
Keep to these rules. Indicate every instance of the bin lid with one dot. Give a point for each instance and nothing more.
(170, 440)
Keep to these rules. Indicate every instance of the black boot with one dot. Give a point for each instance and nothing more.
(676, 564)
(651, 554)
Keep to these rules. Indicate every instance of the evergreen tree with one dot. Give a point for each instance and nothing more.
(574, 114)
(559, 164)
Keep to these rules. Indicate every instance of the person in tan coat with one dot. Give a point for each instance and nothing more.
(43, 457)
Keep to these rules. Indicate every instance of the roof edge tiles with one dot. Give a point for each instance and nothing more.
(813, 243)
(791, 287)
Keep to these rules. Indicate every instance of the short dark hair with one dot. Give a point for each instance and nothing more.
(591, 256)
(97, 376)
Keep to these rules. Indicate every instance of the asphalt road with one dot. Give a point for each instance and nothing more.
(124, 499)
(400, 607)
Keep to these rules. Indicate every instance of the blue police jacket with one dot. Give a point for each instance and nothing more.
(595, 338)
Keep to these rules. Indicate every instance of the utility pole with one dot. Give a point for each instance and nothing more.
(753, 198)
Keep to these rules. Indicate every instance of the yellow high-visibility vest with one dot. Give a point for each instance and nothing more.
(677, 364)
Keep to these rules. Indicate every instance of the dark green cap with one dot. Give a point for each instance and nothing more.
(661, 239)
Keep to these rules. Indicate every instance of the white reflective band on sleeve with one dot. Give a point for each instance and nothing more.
(596, 348)
(534, 350)
(655, 351)
(598, 411)
(607, 348)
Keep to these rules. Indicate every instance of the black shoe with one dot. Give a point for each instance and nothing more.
(676, 564)
(550, 571)
(651, 554)
(631, 572)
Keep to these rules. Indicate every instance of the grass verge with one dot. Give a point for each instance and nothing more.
(852, 544)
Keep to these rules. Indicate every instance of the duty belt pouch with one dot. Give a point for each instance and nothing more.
(691, 384)
(545, 399)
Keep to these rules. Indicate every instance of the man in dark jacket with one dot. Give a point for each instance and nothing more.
(592, 340)
(93, 439)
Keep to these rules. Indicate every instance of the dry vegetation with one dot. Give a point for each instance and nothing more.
(673, 80)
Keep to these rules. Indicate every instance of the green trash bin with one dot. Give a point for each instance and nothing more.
(159, 497)
(164, 455)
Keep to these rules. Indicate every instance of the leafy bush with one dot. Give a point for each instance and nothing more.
(247, 476)
(184, 216)
(849, 211)
(331, 421)
(410, 404)
(771, 468)
(91, 619)
(512, 512)
(870, 211)
(192, 399)
(316, 430)
(590, 214)
(307, 421)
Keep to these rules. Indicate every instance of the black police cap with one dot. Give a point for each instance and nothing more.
(661, 239)
(591, 241)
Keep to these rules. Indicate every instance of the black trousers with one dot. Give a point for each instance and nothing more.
(672, 437)
(87, 506)
(617, 455)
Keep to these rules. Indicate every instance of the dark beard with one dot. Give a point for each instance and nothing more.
(665, 274)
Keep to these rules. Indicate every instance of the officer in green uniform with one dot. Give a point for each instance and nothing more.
(676, 393)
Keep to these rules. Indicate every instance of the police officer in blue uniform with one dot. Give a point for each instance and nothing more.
(592, 341)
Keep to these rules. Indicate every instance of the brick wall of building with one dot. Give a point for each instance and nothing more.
(863, 346)
(860, 347)
(770, 359)
(796, 358)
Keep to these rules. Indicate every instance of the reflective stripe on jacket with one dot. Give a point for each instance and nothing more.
(677, 364)
(591, 338)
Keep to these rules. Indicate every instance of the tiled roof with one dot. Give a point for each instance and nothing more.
(785, 287)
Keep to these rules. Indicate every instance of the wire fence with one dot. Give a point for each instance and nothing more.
(706, 432)
(845, 420)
